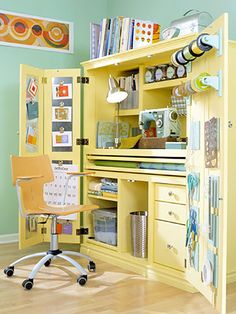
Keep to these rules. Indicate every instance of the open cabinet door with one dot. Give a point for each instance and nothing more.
(62, 143)
(206, 165)
(30, 137)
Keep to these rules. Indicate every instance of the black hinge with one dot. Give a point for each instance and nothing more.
(44, 80)
(43, 230)
(185, 263)
(82, 231)
(82, 79)
(82, 141)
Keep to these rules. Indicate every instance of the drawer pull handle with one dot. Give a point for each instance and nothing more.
(169, 246)
(170, 193)
(171, 213)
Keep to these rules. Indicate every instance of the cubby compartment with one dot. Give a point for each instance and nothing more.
(133, 197)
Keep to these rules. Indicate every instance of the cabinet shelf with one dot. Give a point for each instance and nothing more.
(113, 199)
(164, 84)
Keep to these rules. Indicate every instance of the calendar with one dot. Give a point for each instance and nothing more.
(54, 191)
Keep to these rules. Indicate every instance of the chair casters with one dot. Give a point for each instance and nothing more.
(82, 280)
(28, 284)
(91, 266)
(9, 271)
(47, 263)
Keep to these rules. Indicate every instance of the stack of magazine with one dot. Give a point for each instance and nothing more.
(118, 34)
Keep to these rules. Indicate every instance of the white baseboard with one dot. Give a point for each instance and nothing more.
(9, 238)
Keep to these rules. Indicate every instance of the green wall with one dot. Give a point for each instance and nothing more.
(81, 12)
(164, 11)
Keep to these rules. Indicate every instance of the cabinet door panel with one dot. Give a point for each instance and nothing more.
(169, 246)
(206, 106)
(30, 138)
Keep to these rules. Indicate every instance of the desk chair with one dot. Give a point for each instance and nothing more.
(29, 174)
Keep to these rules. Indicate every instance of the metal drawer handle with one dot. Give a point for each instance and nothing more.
(170, 193)
(171, 213)
(169, 246)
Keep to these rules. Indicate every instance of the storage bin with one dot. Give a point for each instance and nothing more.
(105, 225)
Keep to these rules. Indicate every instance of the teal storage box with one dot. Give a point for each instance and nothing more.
(175, 145)
(105, 225)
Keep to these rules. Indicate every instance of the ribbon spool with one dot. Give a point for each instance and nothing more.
(203, 46)
(197, 84)
(189, 89)
(207, 273)
(177, 58)
(179, 91)
(194, 49)
(187, 54)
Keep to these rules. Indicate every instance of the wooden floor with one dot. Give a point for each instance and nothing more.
(109, 290)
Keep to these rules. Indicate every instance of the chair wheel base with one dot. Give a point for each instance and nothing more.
(82, 280)
(28, 284)
(48, 263)
(91, 266)
(9, 271)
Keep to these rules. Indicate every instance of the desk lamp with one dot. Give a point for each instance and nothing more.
(115, 95)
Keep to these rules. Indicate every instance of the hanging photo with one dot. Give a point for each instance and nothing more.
(62, 91)
(61, 139)
(61, 114)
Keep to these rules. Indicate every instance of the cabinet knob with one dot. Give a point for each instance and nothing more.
(169, 246)
(170, 193)
(170, 213)
(17, 132)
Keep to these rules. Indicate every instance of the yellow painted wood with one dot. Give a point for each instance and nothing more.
(75, 155)
(169, 247)
(173, 153)
(231, 169)
(27, 238)
(175, 213)
(170, 193)
(164, 84)
(205, 106)
(25, 73)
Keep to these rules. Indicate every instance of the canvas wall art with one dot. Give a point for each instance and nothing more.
(35, 32)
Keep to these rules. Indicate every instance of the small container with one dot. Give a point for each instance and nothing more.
(105, 225)
(139, 224)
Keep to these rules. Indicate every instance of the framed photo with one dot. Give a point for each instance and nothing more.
(29, 31)
(62, 139)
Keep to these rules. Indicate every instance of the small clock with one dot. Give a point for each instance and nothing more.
(170, 72)
(181, 71)
(149, 75)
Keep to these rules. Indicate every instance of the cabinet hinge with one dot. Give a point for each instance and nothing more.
(44, 80)
(82, 141)
(82, 80)
(43, 230)
(185, 263)
(82, 231)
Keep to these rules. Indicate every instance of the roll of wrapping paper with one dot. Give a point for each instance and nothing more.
(187, 54)
(197, 85)
(201, 45)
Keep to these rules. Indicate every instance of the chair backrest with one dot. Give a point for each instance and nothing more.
(31, 197)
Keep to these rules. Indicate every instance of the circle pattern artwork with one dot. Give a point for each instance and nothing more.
(30, 31)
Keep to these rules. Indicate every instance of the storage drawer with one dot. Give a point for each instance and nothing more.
(170, 193)
(170, 212)
(169, 244)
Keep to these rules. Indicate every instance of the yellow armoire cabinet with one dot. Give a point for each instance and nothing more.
(187, 193)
